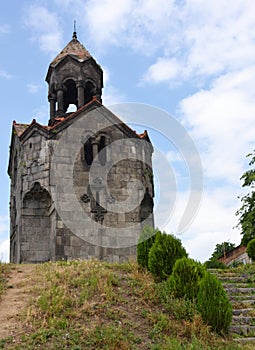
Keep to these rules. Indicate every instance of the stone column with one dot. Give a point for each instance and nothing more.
(60, 99)
(52, 100)
(80, 92)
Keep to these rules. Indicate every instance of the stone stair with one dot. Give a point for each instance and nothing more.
(240, 288)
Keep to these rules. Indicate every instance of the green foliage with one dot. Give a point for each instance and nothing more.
(251, 249)
(146, 240)
(163, 254)
(221, 249)
(186, 277)
(247, 211)
(213, 304)
(214, 264)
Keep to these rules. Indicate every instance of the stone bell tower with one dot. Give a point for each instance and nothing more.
(74, 77)
(81, 186)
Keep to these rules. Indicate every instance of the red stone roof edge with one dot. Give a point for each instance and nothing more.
(63, 120)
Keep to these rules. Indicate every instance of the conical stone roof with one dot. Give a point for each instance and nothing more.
(75, 49)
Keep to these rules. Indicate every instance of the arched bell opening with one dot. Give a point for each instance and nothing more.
(70, 94)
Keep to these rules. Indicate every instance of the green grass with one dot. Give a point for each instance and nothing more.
(94, 305)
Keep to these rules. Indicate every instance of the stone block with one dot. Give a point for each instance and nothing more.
(25, 246)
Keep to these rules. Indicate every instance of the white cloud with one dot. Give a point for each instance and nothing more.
(45, 28)
(163, 70)
(4, 243)
(5, 75)
(213, 223)
(198, 38)
(110, 95)
(137, 24)
(33, 88)
(111, 17)
(3, 224)
(4, 29)
(210, 39)
(222, 121)
(173, 156)
(41, 114)
(66, 3)
(4, 250)
(214, 34)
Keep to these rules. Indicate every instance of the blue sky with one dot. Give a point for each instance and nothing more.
(193, 59)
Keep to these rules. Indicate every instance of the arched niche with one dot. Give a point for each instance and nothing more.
(36, 225)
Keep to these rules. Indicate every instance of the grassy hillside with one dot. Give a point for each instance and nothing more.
(4, 269)
(94, 305)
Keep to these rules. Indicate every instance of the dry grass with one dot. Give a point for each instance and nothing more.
(4, 270)
(94, 305)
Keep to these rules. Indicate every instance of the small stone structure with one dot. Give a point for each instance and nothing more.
(236, 255)
(81, 186)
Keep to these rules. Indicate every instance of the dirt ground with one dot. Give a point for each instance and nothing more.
(15, 299)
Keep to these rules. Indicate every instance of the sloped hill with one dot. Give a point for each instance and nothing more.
(94, 305)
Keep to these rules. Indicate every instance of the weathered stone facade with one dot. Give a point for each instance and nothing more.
(82, 186)
(236, 255)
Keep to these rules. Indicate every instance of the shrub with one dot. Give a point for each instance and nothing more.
(163, 254)
(185, 278)
(213, 304)
(215, 264)
(145, 242)
(251, 249)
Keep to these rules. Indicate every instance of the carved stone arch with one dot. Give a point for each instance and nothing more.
(39, 195)
(36, 225)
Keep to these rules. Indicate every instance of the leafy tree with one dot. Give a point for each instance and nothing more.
(221, 249)
(251, 249)
(247, 211)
